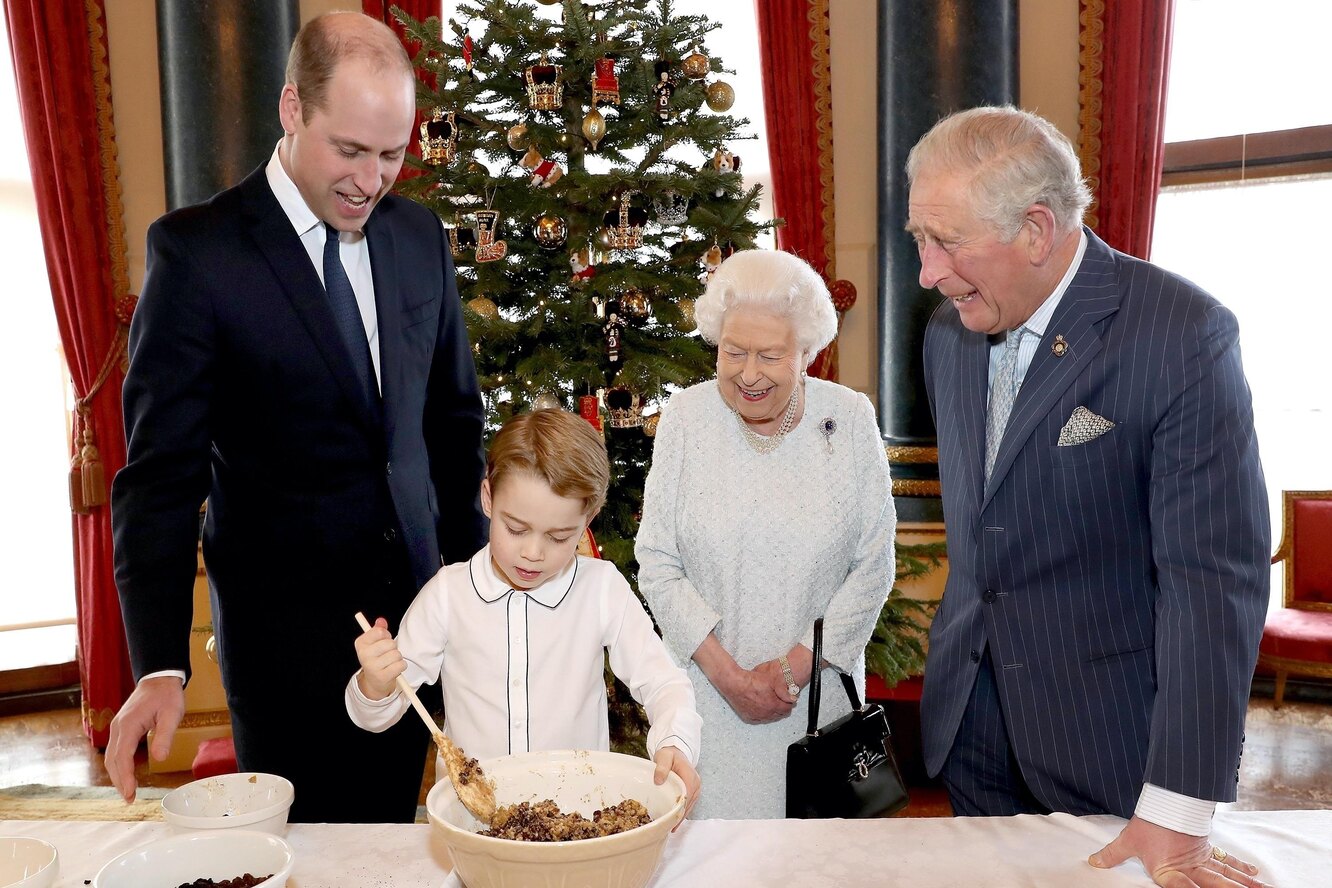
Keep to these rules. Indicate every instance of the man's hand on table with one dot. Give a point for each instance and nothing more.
(157, 704)
(1176, 860)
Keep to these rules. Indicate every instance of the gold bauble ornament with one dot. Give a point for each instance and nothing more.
(604, 239)
(477, 168)
(483, 306)
(548, 2)
(546, 401)
(550, 231)
(696, 65)
(594, 127)
(686, 306)
(517, 137)
(650, 424)
(720, 96)
(635, 304)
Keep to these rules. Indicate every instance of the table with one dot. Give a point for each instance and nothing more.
(1294, 848)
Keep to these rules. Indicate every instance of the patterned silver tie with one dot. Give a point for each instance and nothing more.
(1003, 392)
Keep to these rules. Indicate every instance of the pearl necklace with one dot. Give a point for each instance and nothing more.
(768, 443)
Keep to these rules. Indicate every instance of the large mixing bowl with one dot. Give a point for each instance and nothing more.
(577, 780)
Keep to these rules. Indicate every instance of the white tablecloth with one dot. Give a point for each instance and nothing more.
(1293, 848)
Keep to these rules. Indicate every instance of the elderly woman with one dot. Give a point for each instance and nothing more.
(767, 506)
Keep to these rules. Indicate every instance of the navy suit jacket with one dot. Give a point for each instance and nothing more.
(1120, 584)
(320, 503)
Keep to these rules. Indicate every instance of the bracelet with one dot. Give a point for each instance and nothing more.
(791, 687)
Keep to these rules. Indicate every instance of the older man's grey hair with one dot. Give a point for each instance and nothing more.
(776, 283)
(1015, 159)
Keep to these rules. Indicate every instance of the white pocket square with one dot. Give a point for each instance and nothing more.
(1083, 426)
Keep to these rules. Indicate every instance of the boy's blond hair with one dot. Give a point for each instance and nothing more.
(556, 446)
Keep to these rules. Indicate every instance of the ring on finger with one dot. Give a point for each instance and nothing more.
(1219, 855)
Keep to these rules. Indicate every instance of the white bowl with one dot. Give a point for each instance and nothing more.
(216, 855)
(27, 863)
(231, 801)
(577, 780)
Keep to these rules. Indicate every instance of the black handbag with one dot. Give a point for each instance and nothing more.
(846, 769)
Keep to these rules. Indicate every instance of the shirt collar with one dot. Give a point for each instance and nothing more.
(288, 196)
(490, 586)
(1040, 318)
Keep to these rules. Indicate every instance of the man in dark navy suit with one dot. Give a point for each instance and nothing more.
(1106, 512)
(298, 357)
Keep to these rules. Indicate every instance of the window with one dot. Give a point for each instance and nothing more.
(36, 553)
(1248, 175)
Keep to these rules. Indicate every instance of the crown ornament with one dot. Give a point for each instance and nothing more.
(624, 226)
(671, 207)
(624, 407)
(439, 137)
(545, 91)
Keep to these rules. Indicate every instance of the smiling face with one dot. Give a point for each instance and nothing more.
(758, 366)
(347, 156)
(994, 286)
(534, 531)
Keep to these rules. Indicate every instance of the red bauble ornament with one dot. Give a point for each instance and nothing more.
(125, 306)
(843, 294)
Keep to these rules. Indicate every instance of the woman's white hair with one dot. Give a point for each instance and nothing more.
(1015, 159)
(774, 282)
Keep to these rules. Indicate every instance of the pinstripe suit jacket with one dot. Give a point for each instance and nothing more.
(1120, 584)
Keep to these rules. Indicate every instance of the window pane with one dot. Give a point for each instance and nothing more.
(1255, 247)
(36, 554)
(1243, 67)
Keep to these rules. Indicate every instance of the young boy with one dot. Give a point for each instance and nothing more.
(516, 634)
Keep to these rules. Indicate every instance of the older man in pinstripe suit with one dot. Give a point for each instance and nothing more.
(1106, 512)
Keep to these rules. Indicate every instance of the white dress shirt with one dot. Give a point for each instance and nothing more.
(1039, 320)
(352, 248)
(522, 670)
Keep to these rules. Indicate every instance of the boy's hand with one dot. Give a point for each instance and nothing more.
(668, 759)
(381, 663)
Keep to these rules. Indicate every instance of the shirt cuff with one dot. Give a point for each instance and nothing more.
(178, 673)
(354, 687)
(1181, 813)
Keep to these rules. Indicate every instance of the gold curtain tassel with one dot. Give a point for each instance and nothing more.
(94, 478)
(76, 488)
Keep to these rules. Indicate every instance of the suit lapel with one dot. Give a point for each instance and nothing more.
(388, 299)
(1090, 297)
(277, 240)
(975, 371)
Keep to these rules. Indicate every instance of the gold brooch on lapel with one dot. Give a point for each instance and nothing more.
(1059, 346)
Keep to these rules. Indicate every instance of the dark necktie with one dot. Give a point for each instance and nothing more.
(1003, 392)
(342, 299)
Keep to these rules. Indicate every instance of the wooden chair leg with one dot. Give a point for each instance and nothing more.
(1280, 688)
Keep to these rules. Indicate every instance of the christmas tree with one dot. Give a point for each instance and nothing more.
(583, 158)
(589, 175)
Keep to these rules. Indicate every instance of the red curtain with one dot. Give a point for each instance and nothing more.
(1125, 61)
(797, 97)
(419, 10)
(60, 61)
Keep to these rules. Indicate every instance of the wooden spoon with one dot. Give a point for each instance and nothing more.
(474, 790)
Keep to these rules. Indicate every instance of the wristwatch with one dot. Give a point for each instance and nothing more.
(791, 687)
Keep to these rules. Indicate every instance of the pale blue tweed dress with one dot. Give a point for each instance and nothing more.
(754, 547)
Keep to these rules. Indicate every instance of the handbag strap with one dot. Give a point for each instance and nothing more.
(816, 685)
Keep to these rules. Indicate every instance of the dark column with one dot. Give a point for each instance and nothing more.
(222, 69)
(935, 57)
